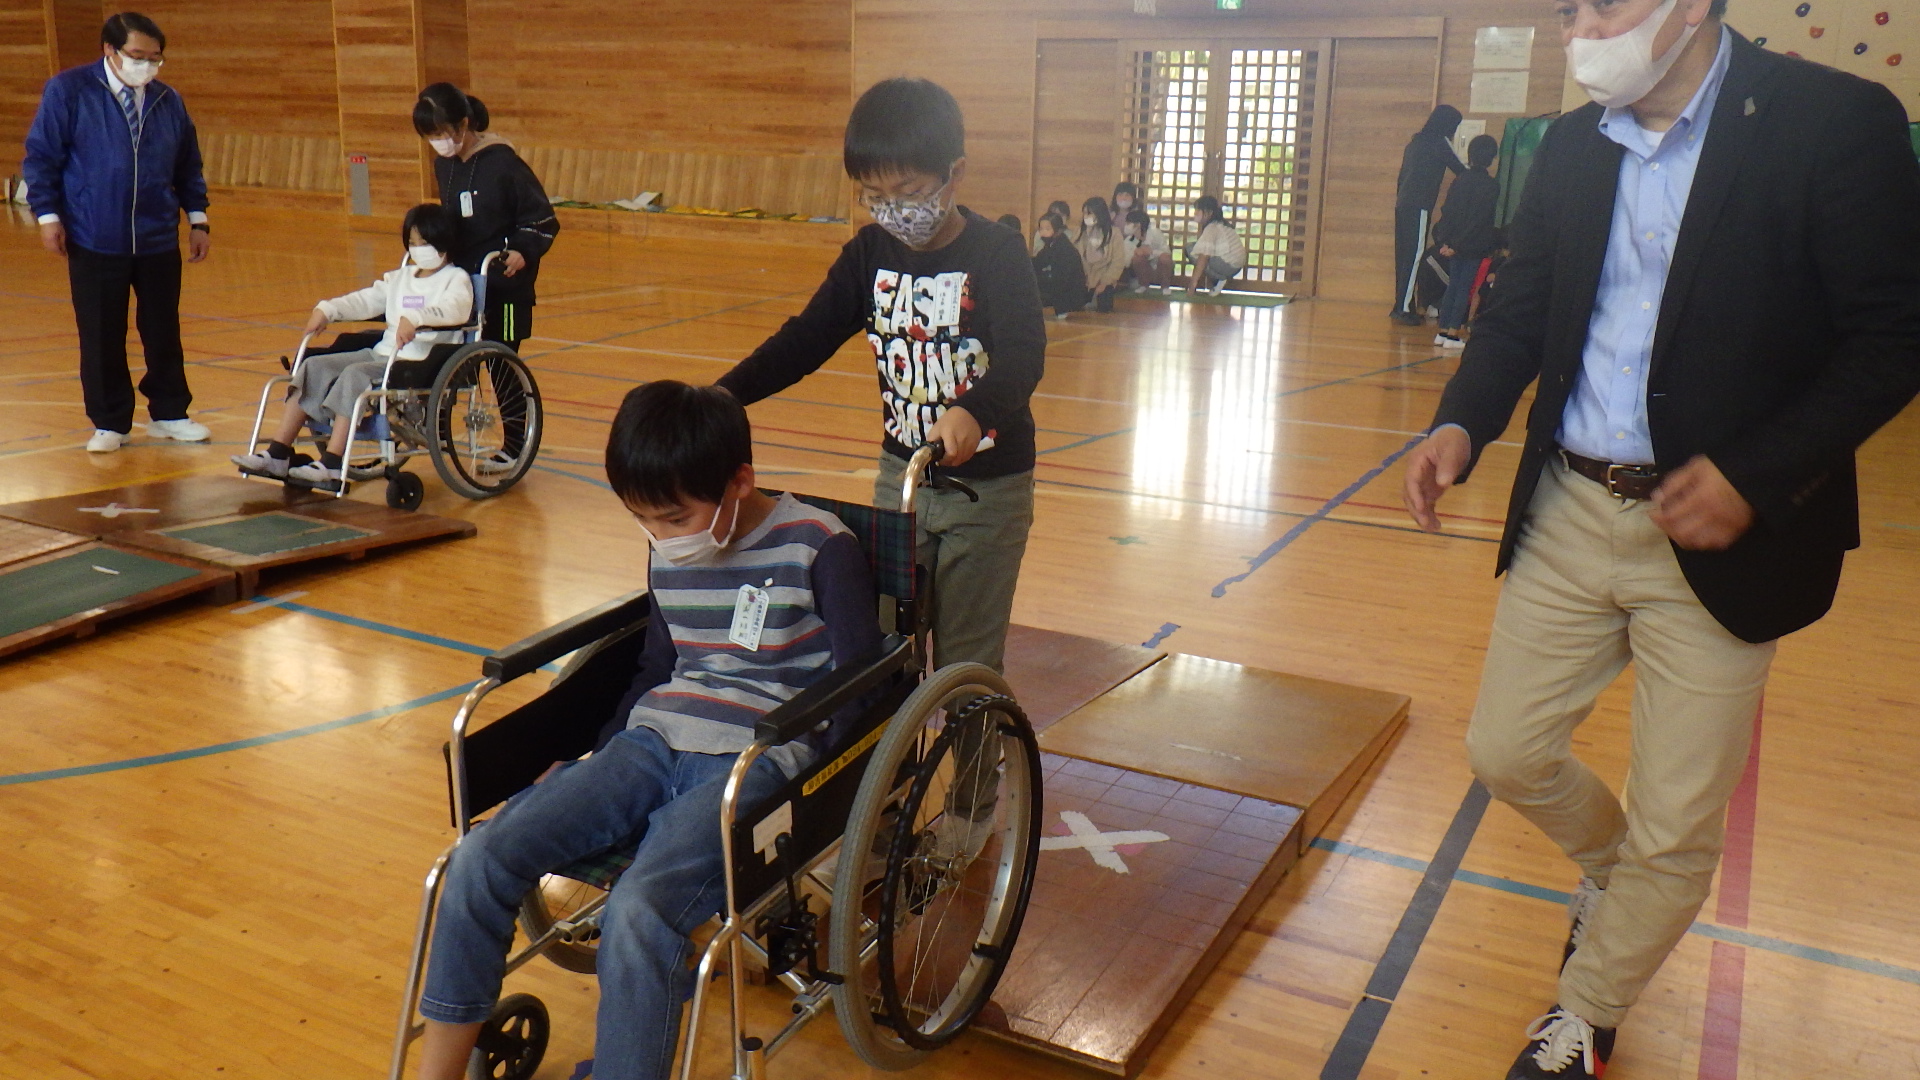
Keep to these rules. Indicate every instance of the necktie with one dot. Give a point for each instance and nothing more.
(131, 110)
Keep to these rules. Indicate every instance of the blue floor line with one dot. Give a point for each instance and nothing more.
(1745, 938)
(236, 744)
(380, 627)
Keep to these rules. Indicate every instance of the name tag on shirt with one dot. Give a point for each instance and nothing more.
(749, 617)
(946, 298)
(413, 301)
(466, 204)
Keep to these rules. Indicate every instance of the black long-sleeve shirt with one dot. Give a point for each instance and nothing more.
(1062, 276)
(509, 209)
(1427, 158)
(961, 325)
(1466, 222)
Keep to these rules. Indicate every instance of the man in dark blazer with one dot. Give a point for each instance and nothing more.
(1715, 283)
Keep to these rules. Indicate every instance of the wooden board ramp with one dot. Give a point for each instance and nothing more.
(71, 562)
(69, 592)
(1177, 796)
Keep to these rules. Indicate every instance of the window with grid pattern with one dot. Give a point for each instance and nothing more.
(1166, 152)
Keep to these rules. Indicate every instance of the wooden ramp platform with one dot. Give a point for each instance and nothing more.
(71, 562)
(1179, 790)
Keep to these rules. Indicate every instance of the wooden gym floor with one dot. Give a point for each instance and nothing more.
(215, 820)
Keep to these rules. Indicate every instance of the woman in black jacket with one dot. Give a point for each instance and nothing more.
(1465, 235)
(498, 202)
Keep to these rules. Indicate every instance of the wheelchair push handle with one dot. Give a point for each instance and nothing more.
(922, 471)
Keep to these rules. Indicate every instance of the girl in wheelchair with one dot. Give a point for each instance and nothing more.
(425, 302)
(680, 458)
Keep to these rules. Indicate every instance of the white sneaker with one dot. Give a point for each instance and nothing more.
(318, 475)
(182, 429)
(496, 463)
(104, 441)
(1448, 341)
(263, 464)
(1217, 286)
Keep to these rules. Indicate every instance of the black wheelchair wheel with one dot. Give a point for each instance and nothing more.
(484, 420)
(557, 898)
(512, 1041)
(405, 490)
(935, 867)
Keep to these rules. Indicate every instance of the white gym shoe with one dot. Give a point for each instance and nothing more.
(104, 441)
(263, 464)
(1217, 286)
(496, 463)
(1448, 341)
(318, 475)
(182, 429)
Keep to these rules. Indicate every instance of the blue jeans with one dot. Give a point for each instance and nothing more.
(1459, 298)
(635, 791)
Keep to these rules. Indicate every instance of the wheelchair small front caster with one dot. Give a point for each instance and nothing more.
(513, 1040)
(405, 490)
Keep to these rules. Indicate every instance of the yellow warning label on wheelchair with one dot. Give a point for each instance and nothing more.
(814, 782)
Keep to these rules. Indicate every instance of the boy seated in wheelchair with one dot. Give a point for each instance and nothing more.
(680, 458)
(422, 299)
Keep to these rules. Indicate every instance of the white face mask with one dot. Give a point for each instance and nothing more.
(426, 257)
(1087, 221)
(445, 147)
(1124, 202)
(136, 73)
(694, 549)
(1620, 70)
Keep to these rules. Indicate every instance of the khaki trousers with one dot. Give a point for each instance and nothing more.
(974, 551)
(1594, 585)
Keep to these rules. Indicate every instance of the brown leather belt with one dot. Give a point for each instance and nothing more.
(1622, 481)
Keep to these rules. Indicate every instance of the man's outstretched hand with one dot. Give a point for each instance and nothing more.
(1432, 467)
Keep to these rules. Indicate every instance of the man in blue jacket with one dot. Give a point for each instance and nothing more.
(112, 159)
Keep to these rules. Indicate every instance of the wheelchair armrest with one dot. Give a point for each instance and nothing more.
(528, 654)
(805, 710)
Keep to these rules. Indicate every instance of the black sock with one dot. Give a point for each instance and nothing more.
(330, 460)
(279, 451)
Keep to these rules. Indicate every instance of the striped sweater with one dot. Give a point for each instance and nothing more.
(821, 612)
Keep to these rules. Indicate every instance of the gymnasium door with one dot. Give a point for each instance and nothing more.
(1243, 120)
(1236, 121)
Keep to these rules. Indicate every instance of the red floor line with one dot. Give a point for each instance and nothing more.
(1726, 972)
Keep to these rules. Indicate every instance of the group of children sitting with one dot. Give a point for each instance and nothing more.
(1118, 245)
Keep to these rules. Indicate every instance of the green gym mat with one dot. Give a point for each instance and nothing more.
(1225, 299)
(265, 534)
(53, 590)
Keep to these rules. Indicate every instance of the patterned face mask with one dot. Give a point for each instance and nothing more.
(914, 221)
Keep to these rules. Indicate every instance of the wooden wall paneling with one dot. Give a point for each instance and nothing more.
(440, 26)
(244, 159)
(673, 75)
(73, 31)
(261, 68)
(1382, 90)
(24, 68)
(378, 72)
(1077, 113)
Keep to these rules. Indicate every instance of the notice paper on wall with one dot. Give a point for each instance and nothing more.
(1501, 92)
(1503, 48)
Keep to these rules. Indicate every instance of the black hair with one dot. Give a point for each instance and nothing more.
(1010, 222)
(1126, 187)
(436, 224)
(1140, 218)
(1210, 206)
(1481, 150)
(1060, 207)
(442, 107)
(671, 442)
(904, 126)
(1050, 218)
(1443, 121)
(1102, 219)
(1717, 9)
(118, 27)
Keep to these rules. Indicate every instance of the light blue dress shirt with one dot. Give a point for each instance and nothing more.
(1606, 416)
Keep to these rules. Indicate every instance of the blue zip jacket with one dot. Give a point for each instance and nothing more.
(115, 198)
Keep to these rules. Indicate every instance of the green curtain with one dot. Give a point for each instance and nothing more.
(1913, 136)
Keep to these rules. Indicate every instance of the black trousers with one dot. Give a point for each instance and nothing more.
(101, 287)
(1410, 225)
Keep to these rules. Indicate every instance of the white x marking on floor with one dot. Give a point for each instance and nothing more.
(1100, 845)
(114, 510)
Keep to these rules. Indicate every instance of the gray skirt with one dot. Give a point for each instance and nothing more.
(327, 385)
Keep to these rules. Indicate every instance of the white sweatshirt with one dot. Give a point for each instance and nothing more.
(1219, 241)
(442, 298)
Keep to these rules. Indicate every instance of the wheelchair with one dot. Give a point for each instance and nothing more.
(920, 829)
(472, 408)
